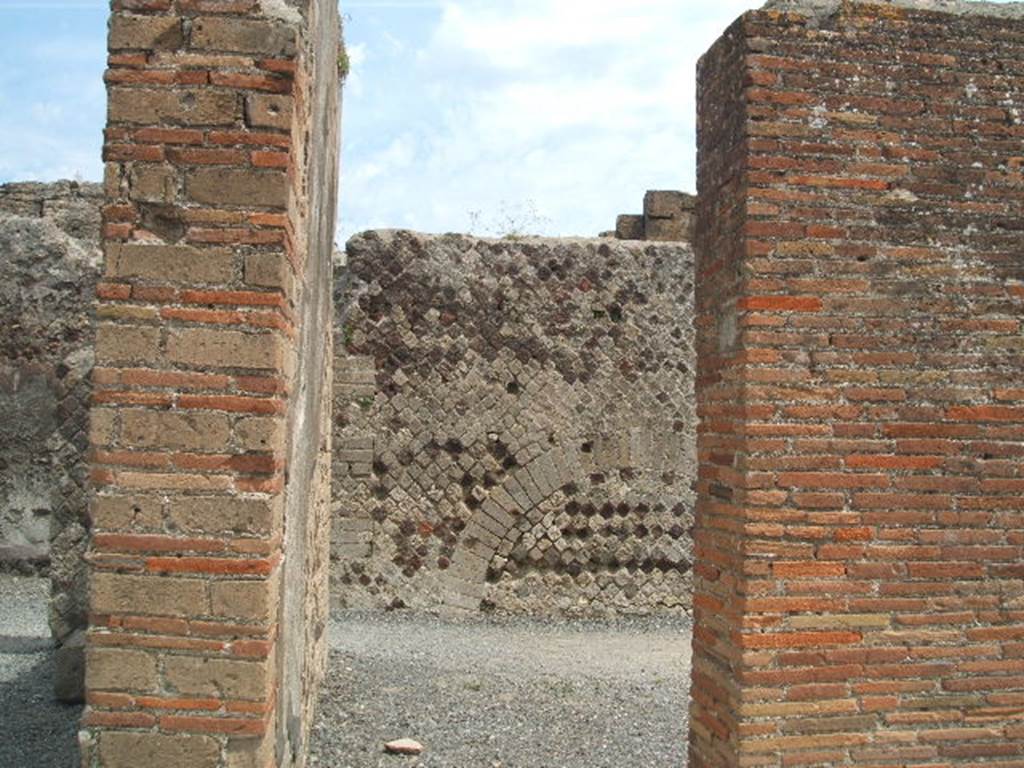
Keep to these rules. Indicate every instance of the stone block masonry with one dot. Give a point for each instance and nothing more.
(668, 217)
(514, 425)
(210, 420)
(859, 588)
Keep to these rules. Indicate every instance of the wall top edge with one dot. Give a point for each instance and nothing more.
(821, 9)
(387, 235)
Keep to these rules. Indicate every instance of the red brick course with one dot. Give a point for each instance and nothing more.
(207, 250)
(859, 299)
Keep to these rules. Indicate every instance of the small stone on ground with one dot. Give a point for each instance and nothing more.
(403, 747)
(508, 692)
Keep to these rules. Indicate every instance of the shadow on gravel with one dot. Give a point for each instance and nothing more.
(34, 729)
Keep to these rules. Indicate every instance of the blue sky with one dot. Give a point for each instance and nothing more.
(551, 116)
(544, 115)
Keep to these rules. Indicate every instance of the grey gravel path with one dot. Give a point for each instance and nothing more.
(34, 730)
(478, 693)
(504, 693)
(23, 601)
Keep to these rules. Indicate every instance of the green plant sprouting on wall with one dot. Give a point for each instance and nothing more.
(344, 64)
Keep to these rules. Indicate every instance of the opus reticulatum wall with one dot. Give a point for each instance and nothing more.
(514, 424)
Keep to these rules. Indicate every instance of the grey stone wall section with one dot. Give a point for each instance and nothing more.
(514, 425)
(49, 265)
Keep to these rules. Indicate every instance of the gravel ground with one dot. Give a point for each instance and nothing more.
(478, 693)
(34, 729)
(24, 600)
(504, 693)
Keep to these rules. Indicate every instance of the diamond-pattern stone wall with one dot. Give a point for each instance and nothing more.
(513, 424)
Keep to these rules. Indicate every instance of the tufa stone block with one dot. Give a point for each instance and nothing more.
(268, 111)
(121, 669)
(175, 430)
(210, 348)
(127, 343)
(219, 187)
(157, 595)
(159, 33)
(679, 229)
(154, 183)
(232, 515)
(170, 263)
(228, 678)
(114, 513)
(245, 600)
(629, 227)
(126, 749)
(667, 204)
(260, 433)
(266, 270)
(235, 35)
(251, 752)
(181, 106)
(102, 426)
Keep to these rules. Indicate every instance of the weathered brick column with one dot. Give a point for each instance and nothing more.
(210, 420)
(860, 588)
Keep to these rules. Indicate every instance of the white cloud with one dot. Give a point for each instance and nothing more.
(357, 55)
(521, 36)
(577, 107)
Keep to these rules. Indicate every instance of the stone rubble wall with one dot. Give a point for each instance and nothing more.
(49, 264)
(514, 425)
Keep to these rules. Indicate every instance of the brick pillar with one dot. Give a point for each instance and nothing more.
(210, 439)
(860, 293)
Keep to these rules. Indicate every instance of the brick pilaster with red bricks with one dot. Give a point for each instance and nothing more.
(208, 256)
(860, 537)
